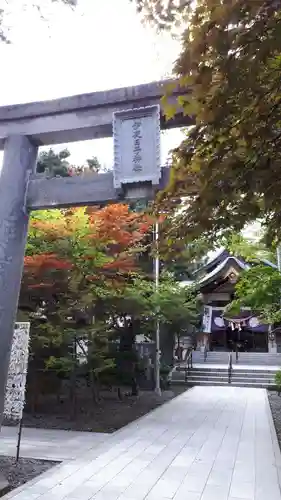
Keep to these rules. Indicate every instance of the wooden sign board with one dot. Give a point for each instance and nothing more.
(136, 136)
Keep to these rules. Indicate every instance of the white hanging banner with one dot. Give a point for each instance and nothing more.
(16, 382)
(207, 319)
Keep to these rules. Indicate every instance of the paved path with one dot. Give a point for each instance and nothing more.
(48, 444)
(215, 443)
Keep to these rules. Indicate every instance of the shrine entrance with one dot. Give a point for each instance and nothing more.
(244, 340)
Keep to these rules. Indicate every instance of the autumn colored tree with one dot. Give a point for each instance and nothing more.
(82, 249)
(83, 269)
(77, 262)
(229, 69)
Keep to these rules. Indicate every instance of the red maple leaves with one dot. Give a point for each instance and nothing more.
(105, 241)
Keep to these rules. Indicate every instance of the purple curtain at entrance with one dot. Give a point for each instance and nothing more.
(218, 323)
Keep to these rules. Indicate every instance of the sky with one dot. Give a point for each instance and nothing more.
(102, 44)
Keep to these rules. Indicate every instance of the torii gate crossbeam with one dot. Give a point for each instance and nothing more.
(25, 127)
(82, 117)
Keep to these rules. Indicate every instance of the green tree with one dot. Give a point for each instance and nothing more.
(53, 164)
(260, 289)
(165, 15)
(183, 264)
(176, 308)
(36, 4)
(228, 167)
(57, 164)
(94, 164)
(170, 303)
(249, 249)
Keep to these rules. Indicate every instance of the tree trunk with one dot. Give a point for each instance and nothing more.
(94, 387)
(167, 343)
(128, 363)
(73, 395)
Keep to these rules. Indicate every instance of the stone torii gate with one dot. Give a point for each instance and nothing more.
(132, 115)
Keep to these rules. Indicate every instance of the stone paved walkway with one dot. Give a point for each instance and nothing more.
(215, 443)
(48, 444)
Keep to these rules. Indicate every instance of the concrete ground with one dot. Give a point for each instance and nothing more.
(48, 444)
(215, 443)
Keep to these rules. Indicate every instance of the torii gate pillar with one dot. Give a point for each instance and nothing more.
(19, 162)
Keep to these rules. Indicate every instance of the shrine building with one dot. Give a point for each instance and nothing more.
(220, 331)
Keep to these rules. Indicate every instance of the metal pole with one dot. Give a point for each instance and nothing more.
(19, 439)
(272, 336)
(157, 333)
(278, 254)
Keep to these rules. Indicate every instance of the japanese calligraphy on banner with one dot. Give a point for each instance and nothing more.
(16, 382)
(207, 320)
(136, 135)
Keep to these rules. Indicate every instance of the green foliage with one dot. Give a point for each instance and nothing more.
(37, 241)
(183, 263)
(228, 167)
(260, 289)
(278, 381)
(171, 303)
(57, 164)
(163, 14)
(250, 250)
(94, 164)
(53, 164)
(81, 280)
(60, 365)
(22, 4)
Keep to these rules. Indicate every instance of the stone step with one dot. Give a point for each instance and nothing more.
(241, 358)
(248, 353)
(241, 362)
(236, 371)
(237, 379)
(257, 355)
(258, 374)
(225, 383)
(242, 375)
(208, 375)
(236, 376)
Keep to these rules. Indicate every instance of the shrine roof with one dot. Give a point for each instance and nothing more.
(222, 255)
(221, 268)
(214, 260)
